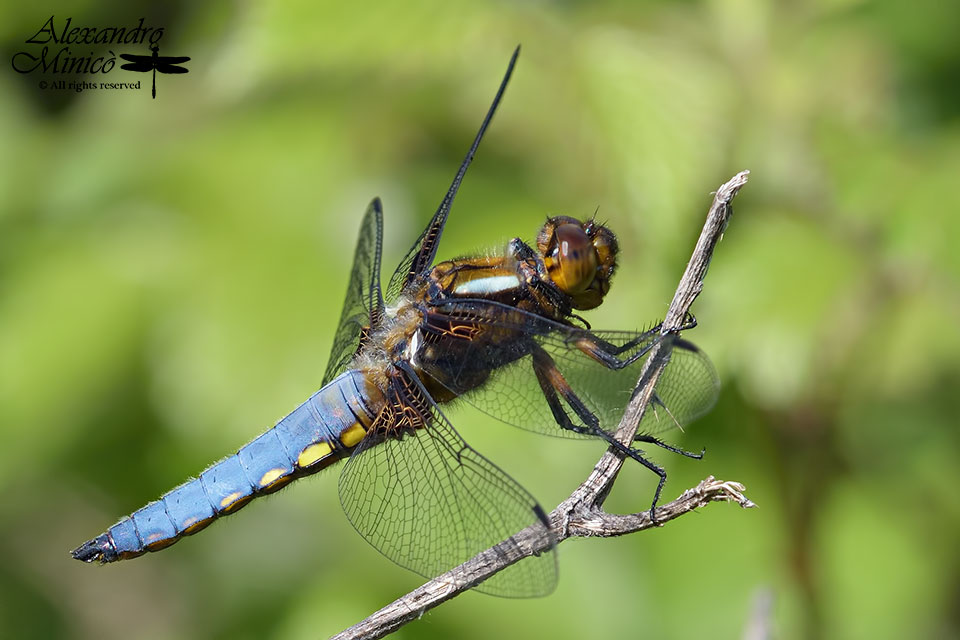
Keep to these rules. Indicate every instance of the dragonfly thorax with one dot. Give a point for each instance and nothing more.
(391, 339)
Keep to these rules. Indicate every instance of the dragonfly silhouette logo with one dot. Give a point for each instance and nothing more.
(154, 63)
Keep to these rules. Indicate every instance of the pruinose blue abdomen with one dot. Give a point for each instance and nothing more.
(316, 434)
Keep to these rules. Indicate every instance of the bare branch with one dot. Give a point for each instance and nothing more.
(581, 514)
(530, 541)
(692, 281)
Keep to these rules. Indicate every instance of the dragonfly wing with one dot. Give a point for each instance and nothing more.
(420, 256)
(363, 306)
(429, 502)
(513, 393)
(687, 389)
(136, 66)
(169, 68)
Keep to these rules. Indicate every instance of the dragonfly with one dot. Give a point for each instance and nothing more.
(499, 331)
(154, 63)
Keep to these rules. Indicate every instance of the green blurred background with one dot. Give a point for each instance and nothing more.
(171, 272)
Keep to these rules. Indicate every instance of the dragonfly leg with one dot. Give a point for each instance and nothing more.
(555, 386)
(534, 272)
(597, 347)
(656, 402)
(609, 355)
(525, 253)
(642, 437)
(657, 469)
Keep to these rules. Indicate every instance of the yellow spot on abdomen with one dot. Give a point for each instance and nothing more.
(192, 525)
(229, 500)
(156, 545)
(270, 477)
(233, 502)
(314, 453)
(352, 435)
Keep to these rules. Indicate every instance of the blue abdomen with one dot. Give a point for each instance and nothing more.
(316, 434)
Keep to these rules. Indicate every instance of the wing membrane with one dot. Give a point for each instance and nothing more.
(687, 389)
(363, 306)
(421, 255)
(429, 502)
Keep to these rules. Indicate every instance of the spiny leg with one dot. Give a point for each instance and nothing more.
(655, 402)
(554, 386)
(540, 282)
(551, 380)
(607, 353)
(642, 437)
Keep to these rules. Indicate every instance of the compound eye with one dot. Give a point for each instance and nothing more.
(572, 260)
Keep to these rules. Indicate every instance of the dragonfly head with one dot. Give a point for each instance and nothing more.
(580, 258)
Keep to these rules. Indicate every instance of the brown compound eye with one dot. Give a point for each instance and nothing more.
(571, 259)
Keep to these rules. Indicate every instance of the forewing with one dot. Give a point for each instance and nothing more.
(363, 306)
(687, 389)
(421, 254)
(429, 502)
(137, 65)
